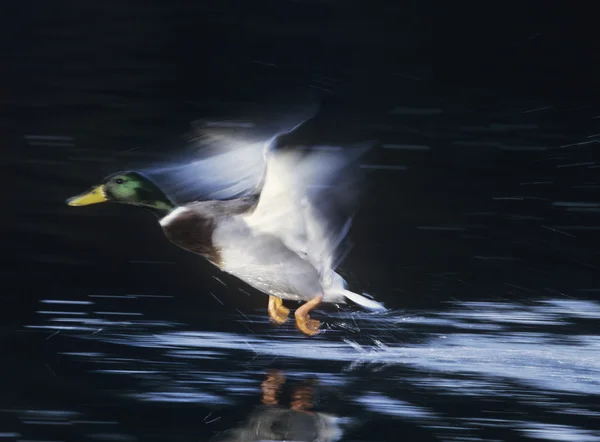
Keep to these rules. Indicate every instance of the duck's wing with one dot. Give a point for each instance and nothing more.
(225, 158)
(308, 199)
(217, 175)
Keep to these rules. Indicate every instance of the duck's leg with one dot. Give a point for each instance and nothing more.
(277, 312)
(306, 325)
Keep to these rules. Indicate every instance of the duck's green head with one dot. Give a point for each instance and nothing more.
(126, 188)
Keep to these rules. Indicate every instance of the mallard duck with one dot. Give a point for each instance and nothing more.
(277, 239)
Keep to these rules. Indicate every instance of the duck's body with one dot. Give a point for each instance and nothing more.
(192, 227)
(274, 240)
(222, 234)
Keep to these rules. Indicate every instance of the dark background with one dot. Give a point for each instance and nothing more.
(505, 98)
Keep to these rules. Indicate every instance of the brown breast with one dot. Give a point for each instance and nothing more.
(193, 232)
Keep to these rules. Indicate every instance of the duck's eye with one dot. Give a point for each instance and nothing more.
(119, 181)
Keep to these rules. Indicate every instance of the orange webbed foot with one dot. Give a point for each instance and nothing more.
(305, 324)
(278, 313)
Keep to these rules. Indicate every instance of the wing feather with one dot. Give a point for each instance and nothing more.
(308, 200)
(225, 159)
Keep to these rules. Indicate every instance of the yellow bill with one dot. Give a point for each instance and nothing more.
(94, 196)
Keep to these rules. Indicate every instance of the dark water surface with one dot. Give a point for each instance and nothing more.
(109, 369)
(480, 230)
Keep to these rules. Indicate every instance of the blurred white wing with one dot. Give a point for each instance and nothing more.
(226, 159)
(308, 200)
(228, 174)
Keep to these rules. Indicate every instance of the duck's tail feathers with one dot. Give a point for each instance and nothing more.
(363, 301)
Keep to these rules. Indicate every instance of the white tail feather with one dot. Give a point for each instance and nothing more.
(363, 301)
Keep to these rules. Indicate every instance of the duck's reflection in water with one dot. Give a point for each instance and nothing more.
(293, 420)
